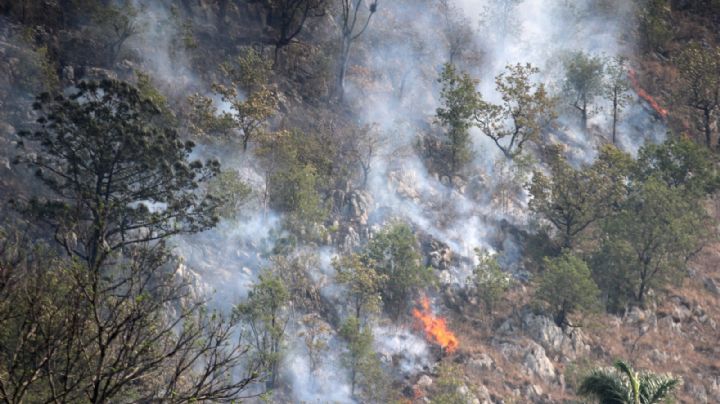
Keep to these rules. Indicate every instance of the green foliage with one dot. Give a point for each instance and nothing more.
(656, 24)
(294, 191)
(622, 385)
(450, 388)
(700, 90)
(362, 361)
(525, 110)
(252, 100)
(231, 191)
(116, 178)
(460, 102)
(266, 313)
(679, 163)
(657, 230)
(395, 254)
(364, 284)
(583, 82)
(566, 285)
(573, 199)
(489, 281)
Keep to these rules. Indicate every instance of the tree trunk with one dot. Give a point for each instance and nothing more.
(706, 126)
(614, 121)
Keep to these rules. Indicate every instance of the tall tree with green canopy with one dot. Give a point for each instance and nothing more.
(654, 234)
(118, 183)
(266, 313)
(526, 109)
(583, 82)
(700, 89)
(622, 385)
(460, 102)
(574, 198)
(363, 283)
(566, 285)
(395, 254)
(116, 178)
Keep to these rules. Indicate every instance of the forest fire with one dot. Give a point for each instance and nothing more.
(645, 96)
(435, 327)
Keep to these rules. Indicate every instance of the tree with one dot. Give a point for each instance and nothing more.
(489, 281)
(117, 178)
(352, 27)
(460, 102)
(363, 362)
(573, 199)
(231, 191)
(107, 331)
(622, 385)
(566, 286)
(583, 82)
(287, 17)
(526, 109)
(64, 341)
(363, 282)
(615, 88)
(654, 234)
(700, 73)
(449, 388)
(395, 254)
(252, 100)
(458, 34)
(679, 163)
(266, 313)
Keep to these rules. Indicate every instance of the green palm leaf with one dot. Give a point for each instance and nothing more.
(606, 386)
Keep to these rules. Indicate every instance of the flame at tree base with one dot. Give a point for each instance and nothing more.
(436, 329)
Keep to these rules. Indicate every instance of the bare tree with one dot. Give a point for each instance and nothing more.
(288, 18)
(354, 23)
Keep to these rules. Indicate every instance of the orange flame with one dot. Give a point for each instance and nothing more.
(435, 327)
(645, 96)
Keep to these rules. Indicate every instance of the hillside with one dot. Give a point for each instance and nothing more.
(411, 201)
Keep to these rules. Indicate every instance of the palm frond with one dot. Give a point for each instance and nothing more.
(655, 388)
(632, 378)
(606, 386)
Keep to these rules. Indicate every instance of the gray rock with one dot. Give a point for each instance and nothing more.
(712, 286)
(481, 363)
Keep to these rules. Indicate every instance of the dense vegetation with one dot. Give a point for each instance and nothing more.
(112, 165)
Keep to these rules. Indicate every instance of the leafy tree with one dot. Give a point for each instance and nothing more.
(583, 82)
(449, 388)
(656, 24)
(526, 109)
(658, 229)
(489, 281)
(679, 163)
(353, 23)
(623, 385)
(700, 73)
(69, 336)
(252, 100)
(460, 102)
(395, 255)
(363, 282)
(103, 159)
(117, 179)
(615, 88)
(566, 286)
(231, 191)
(573, 199)
(266, 313)
(364, 364)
